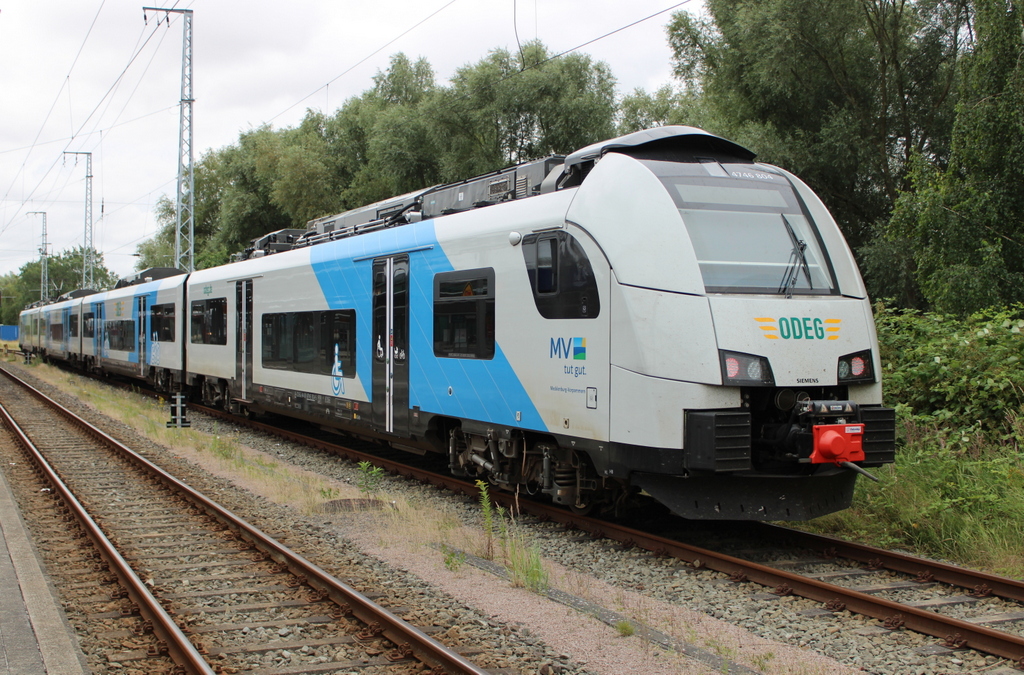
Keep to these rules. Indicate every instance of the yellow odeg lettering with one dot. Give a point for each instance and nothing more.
(832, 328)
(768, 325)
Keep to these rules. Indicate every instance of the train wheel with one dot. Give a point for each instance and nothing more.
(582, 509)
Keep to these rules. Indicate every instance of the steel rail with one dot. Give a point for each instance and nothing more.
(980, 582)
(409, 639)
(952, 631)
(179, 647)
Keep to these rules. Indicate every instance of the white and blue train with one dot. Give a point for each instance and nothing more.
(656, 313)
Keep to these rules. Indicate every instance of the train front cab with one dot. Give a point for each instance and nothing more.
(742, 333)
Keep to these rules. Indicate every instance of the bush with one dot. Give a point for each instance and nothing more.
(956, 490)
(956, 372)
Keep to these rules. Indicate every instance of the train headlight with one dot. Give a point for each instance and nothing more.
(745, 369)
(856, 367)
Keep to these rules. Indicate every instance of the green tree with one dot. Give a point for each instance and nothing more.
(10, 304)
(389, 141)
(64, 271)
(842, 92)
(640, 110)
(159, 250)
(508, 109)
(247, 208)
(965, 220)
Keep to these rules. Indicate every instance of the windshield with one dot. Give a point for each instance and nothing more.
(749, 230)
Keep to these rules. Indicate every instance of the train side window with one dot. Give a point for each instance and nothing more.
(198, 322)
(561, 276)
(217, 320)
(277, 330)
(161, 322)
(338, 342)
(88, 325)
(464, 304)
(210, 322)
(309, 342)
(120, 335)
(73, 326)
(305, 343)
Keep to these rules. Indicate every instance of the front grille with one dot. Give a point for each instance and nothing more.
(879, 435)
(717, 441)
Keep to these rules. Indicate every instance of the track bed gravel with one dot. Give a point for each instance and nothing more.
(523, 632)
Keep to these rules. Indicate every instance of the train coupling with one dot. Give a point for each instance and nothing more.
(837, 433)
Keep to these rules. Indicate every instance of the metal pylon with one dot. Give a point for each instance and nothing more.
(184, 233)
(87, 262)
(44, 274)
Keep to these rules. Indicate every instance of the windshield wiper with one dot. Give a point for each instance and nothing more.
(797, 261)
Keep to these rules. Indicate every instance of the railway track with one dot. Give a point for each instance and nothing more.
(199, 590)
(962, 608)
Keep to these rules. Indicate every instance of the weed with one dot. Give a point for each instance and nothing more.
(625, 628)
(329, 493)
(225, 449)
(762, 661)
(370, 478)
(488, 512)
(525, 565)
(521, 558)
(453, 559)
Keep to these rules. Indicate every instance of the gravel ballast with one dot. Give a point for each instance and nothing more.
(398, 546)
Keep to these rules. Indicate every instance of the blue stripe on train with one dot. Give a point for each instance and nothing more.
(488, 391)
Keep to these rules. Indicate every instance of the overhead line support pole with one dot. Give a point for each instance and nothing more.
(44, 275)
(87, 251)
(184, 232)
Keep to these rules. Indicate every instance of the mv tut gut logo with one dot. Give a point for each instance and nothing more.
(570, 349)
(799, 328)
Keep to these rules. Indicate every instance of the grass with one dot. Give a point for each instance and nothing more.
(625, 628)
(520, 556)
(952, 494)
(219, 453)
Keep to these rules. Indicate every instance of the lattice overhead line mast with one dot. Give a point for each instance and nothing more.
(44, 274)
(184, 234)
(87, 261)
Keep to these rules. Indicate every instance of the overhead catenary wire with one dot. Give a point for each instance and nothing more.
(75, 133)
(363, 60)
(65, 82)
(88, 130)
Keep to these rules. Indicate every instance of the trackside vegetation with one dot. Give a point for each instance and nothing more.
(956, 491)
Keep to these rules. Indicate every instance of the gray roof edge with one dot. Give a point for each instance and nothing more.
(639, 138)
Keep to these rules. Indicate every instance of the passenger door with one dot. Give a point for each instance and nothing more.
(243, 363)
(391, 344)
(140, 333)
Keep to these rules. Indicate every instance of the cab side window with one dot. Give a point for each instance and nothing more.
(561, 276)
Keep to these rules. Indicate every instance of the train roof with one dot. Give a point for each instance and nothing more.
(690, 138)
(147, 275)
(534, 178)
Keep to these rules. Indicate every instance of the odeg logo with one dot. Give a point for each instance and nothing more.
(800, 328)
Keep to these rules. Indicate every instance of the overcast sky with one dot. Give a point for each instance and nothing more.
(68, 82)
